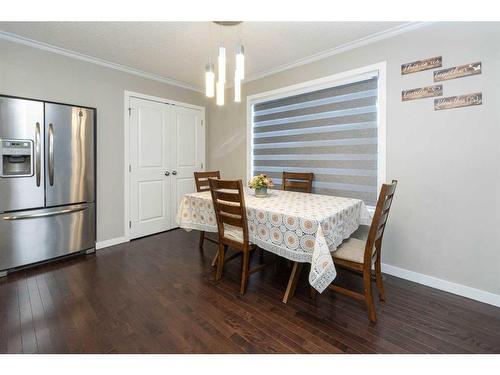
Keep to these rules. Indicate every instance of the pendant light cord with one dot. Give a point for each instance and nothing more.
(221, 36)
(210, 43)
(239, 33)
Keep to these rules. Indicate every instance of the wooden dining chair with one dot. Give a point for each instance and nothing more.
(301, 182)
(230, 211)
(201, 181)
(359, 256)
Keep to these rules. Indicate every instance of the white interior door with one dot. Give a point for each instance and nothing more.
(188, 151)
(150, 187)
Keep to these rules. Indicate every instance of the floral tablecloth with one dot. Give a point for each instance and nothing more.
(298, 226)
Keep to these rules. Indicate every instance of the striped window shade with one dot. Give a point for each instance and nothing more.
(331, 132)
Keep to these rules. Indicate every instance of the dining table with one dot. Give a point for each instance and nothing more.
(301, 227)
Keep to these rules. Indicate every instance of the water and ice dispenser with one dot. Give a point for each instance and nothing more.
(16, 158)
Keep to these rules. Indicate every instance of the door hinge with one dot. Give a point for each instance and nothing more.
(130, 168)
(130, 224)
(201, 164)
(201, 122)
(130, 111)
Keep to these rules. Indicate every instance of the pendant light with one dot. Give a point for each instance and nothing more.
(209, 80)
(220, 83)
(222, 65)
(237, 87)
(240, 62)
(220, 93)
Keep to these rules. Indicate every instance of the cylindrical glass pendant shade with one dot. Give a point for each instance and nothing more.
(222, 65)
(209, 80)
(220, 93)
(240, 62)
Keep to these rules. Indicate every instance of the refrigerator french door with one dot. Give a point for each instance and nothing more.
(69, 150)
(47, 179)
(21, 184)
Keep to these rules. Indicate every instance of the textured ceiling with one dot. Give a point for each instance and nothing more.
(179, 50)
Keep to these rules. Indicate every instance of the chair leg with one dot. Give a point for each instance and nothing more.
(220, 263)
(202, 239)
(244, 271)
(214, 261)
(367, 281)
(378, 278)
(292, 282)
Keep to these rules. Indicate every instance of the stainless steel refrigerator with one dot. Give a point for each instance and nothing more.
(47, 181)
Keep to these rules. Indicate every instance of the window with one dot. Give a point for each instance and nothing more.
(332, 129)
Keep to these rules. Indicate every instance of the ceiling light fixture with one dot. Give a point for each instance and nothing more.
(239, 73)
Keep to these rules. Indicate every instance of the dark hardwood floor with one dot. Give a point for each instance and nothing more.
(157, 295)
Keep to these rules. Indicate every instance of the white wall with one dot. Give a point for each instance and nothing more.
(33, 73)
(446, 215)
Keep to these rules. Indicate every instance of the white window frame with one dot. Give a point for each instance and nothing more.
(338, 79)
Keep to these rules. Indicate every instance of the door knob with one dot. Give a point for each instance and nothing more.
(167, 173)
(174, 172)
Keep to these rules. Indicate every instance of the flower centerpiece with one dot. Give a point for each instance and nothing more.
(260, 183)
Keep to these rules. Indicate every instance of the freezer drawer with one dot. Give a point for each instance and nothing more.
(69, 146)
(32, 236)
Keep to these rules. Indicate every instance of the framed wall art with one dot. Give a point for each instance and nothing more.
(458, 101)
(418, 66)
(422, 92)
(457, 72)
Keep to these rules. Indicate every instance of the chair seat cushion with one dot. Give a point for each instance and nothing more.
(352, 250)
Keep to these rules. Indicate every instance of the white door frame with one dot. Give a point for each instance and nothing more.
(126, 156)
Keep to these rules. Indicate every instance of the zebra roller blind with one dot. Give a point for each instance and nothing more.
(331, 132)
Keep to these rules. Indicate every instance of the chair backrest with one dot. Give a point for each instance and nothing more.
(229, 206)
(201, 179)
(301, 182)
(379, 222)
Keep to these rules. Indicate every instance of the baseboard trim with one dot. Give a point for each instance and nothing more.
(113, 241)
(447, 286)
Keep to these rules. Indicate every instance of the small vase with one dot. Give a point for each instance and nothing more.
(261, 191)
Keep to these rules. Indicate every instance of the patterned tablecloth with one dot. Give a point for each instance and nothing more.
(298, 226)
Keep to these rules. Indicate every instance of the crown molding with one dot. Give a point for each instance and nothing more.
(94, 60)
(386, 34)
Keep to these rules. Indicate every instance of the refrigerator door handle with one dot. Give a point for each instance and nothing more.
(38, 155)
(44, 214)
(51, 154)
